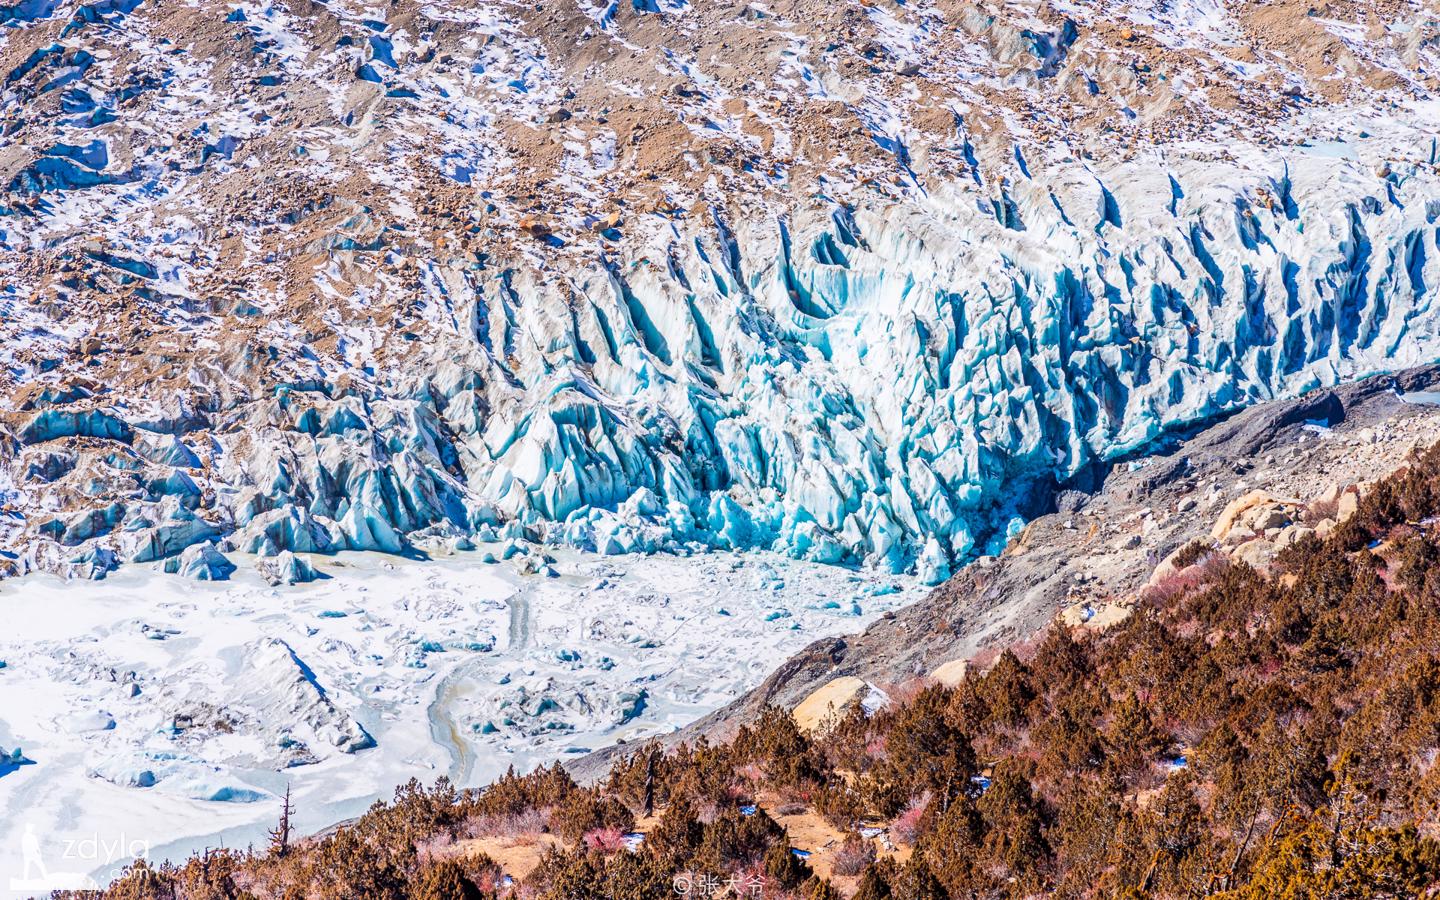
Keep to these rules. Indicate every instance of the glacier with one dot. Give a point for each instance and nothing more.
(853, 385)
(499, 274)
(898, 385)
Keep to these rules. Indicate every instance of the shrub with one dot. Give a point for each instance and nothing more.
(433, 849)
(546, 787)
(530, 823)
(784, 868)
(733, 840)
(1174, 586)
(584, 811)
(1190, 554)
(853, 856)
(907, 827)
(838, 804)
(445, 881)
(925, 751)
(873, 886)
(608, 839)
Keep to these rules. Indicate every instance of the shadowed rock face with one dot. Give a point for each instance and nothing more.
(861, 282)
(1104, 543)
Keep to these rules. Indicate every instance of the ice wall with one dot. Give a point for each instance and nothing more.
(889, 383)
(852, 385)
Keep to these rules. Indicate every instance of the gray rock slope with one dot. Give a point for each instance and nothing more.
(1103, 543)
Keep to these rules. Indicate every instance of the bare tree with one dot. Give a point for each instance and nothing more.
(280, 834)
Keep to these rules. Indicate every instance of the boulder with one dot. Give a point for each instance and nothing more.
(1346, 506)
(1231, 515)
(1291, 534)
(1271, 517)
(950, 673)
(829, 700)
(1095, 616)
(1257, 554)
(1109, 614)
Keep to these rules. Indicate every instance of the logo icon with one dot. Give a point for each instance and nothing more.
(38, 877)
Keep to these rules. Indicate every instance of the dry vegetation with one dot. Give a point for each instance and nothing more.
(1241, 736)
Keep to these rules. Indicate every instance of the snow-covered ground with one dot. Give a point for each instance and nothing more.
(165, 715)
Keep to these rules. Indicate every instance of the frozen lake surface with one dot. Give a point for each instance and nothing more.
(169, 715)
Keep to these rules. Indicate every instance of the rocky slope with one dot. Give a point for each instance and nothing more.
(856, 280)
(1248, 484)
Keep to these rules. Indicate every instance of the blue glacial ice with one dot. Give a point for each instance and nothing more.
(899, 384)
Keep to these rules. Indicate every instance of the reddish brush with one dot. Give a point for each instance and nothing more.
(530, 823)
(908, 826)
(606, 840)
(905, 691)
(983, 658)
(751, 772)
(435, 848)
(1172, 587)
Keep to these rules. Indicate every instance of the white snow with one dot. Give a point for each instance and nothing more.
(168, 715)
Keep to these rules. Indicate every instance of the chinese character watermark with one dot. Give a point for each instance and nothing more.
(706, 885)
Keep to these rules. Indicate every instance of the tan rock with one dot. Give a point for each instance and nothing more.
(950, 673)
(1291, 534)
(1256, 554)
(1109, 615)
(1346, 507)
(829, 700)
(1272, 517)
(610, 220)
(1095, 616)
(1236, 508)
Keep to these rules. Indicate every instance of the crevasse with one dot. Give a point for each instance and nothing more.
(895, 383)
